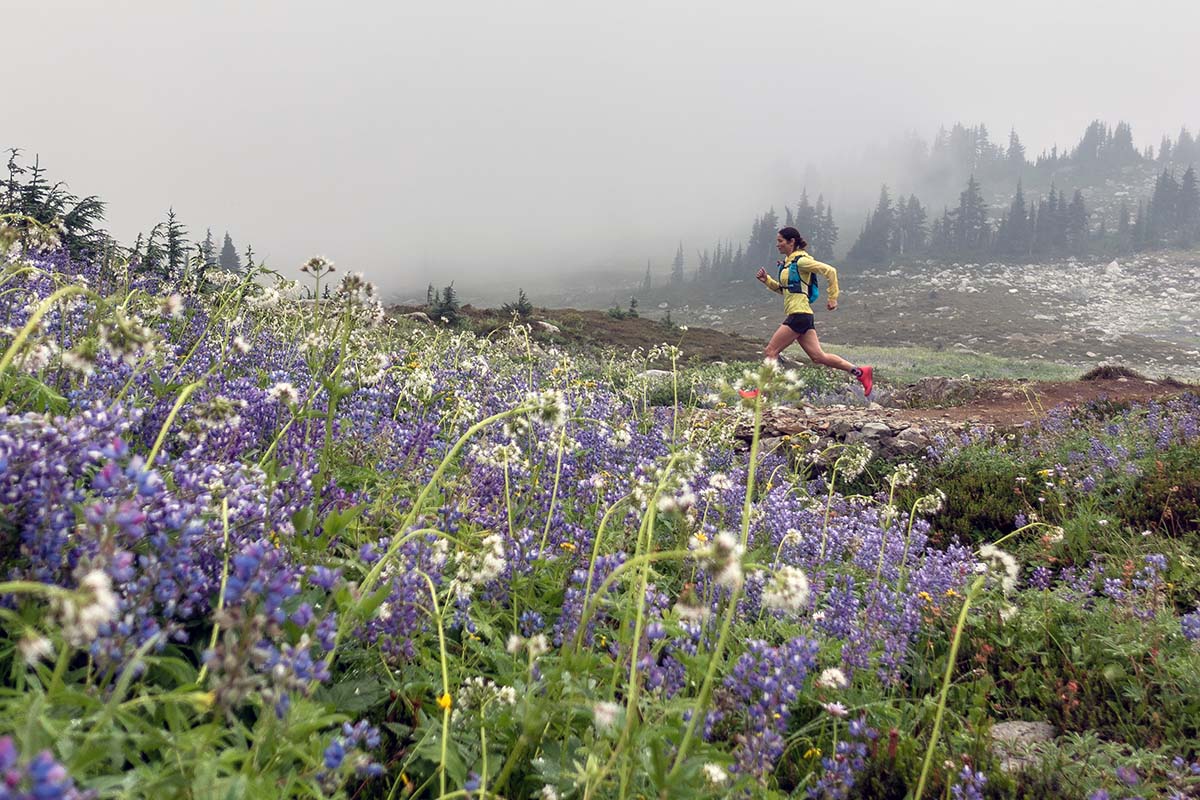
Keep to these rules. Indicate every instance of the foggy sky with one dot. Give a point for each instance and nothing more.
(422, 141)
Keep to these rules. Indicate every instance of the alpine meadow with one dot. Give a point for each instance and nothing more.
(541, 485)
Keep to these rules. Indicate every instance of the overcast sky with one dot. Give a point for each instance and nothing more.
(415, 140)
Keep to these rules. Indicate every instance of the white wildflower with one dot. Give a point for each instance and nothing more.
(1002, 562)
(538, 645)
(82, 617)
(548, 793)
(832, 678)
(549, 406)
(241, 345)
(515, 644)
(723, 556)
(788, 591)
(835, 709)
(931, 503)
(34, 648)
(81, 361)
(680, 502)
(714, 775)
(720, 481)
(621, 438)
(283, 392)
(171, 306)
(604, 714)
(904, 475)
(852, 463)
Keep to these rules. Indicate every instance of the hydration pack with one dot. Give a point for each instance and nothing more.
(797, 285)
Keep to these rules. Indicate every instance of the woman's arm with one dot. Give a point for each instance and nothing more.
(825, 271)
(768, 281)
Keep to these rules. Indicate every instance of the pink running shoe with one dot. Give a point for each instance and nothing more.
(865, 380)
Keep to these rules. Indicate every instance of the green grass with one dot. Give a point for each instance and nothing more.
(902, 365)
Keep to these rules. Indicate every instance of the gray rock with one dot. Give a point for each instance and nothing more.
(875, 430)
(654, 374)
(419, 316)
(548, 327)
(1016, 743)
(902, 449)
(770, 444)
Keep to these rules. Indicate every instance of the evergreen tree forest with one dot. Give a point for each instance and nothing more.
(1083, 215)
(165, 250)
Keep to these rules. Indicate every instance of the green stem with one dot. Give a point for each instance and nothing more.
(562, 438)
(941, 707)
(727, 621)
(212, 642)
(162, 433)
(32, 323)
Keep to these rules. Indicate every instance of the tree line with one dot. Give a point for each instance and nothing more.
(26, 194)
(1057, 222)
(1052, 226)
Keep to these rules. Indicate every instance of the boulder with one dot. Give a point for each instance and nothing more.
(419, 316)
(548, 327)
(875, 430)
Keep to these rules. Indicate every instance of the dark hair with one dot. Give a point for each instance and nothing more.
(791, 234)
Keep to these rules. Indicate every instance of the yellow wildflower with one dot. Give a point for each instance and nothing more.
(812, 752)
(445, 701)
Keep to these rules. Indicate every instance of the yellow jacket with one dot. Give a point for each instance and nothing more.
(797, 302)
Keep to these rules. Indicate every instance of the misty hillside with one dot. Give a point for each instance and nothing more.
(961, 197)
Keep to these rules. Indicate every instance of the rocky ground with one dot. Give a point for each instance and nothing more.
(1140, 311)
(915, 415)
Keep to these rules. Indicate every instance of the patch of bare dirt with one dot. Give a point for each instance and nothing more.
(1005, 404)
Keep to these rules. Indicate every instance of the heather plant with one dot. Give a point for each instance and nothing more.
(262, 540)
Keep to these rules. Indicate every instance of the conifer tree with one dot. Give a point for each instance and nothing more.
(208, 250)
(646, 282)
(1077, 224)
(229, 260)
(825, 237)
(1164, 150)
(1015, 156)
(1018, 236)
(677, 267)
(155, 256)
(1189, 208)
(176, 244)
(807, 217)
(971, 232)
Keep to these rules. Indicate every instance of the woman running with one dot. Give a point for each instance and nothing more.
(798, 325)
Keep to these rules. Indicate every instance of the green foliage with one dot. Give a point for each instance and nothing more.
(521, 307)
(445, 306)
(27, 195)
(1090, 667)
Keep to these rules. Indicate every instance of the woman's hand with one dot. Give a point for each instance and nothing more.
(831, 305)
(761, 275)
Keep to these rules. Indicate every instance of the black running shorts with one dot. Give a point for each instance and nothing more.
(800, 323)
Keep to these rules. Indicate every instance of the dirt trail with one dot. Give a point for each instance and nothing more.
(1006, 404)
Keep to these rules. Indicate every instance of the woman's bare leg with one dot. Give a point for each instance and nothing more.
(782, 337)
(812, 348)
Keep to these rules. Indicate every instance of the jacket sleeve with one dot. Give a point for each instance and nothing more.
(825, 271)
(774, 285)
